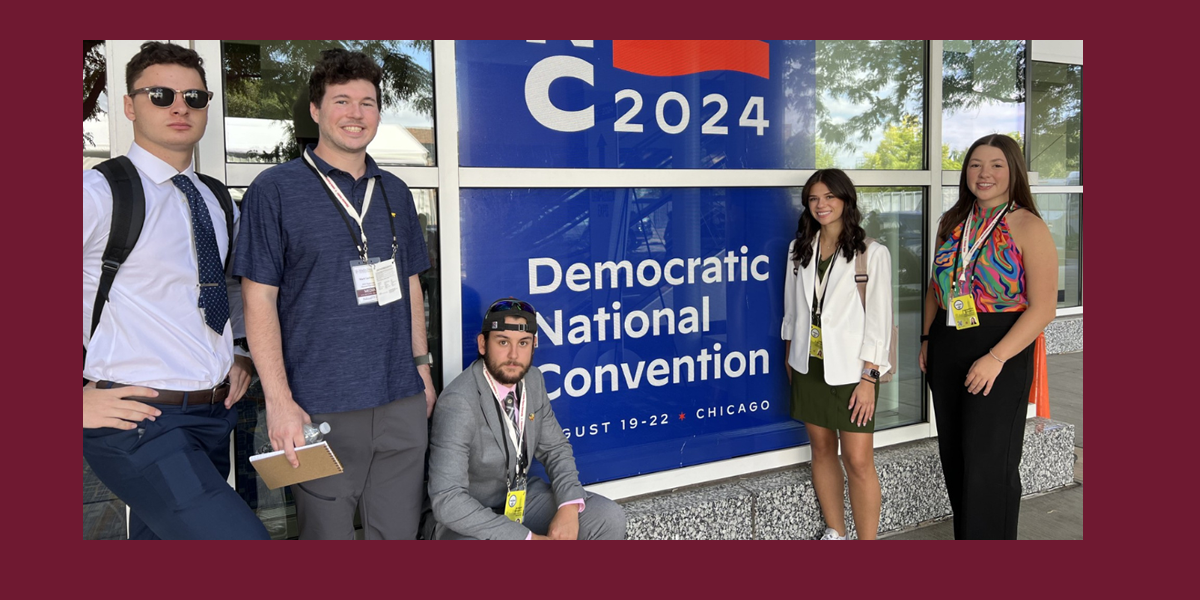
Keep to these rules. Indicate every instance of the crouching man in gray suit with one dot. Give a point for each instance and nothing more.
(486, 424)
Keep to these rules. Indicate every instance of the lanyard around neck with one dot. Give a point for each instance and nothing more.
(819, 291)
(339, 199)
(517, 437)
(966, 255)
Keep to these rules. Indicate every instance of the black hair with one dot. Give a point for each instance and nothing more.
(338, 66)
(159, 53)
(852, 237)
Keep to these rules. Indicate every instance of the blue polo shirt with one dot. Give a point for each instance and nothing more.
(339, 356)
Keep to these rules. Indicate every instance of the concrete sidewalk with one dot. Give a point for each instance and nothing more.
(1057, 515)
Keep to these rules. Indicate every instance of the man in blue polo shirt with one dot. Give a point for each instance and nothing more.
(329, 251)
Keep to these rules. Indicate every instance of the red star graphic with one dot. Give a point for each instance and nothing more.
(682, 416)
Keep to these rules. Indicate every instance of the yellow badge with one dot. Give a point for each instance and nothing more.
(814, 342)
(514, 505)
(965, 316)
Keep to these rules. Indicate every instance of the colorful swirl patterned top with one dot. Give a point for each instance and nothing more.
(999, 273)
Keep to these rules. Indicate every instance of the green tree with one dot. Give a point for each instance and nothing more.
(903, 148)
(268, 79)
(825, 158)
(888, 78)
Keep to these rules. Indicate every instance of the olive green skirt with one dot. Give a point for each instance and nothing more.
(817, 403)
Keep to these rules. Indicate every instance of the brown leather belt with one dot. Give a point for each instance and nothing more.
(215, 395)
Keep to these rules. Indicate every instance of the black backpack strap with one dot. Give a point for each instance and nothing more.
(222, 193)
(129, 212)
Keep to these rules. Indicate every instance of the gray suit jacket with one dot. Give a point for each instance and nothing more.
(466, 456)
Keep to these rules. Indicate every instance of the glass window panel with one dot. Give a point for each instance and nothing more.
(870, 105)
(95, 104)
(103, 513)
(266, 99)
(895, 217)
(949, 197)
(1056, 142)
(983, 92)
(1064, 214)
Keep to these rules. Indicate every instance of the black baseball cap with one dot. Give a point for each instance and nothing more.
(493, 320)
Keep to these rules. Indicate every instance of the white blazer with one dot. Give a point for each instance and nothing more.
(849, 337)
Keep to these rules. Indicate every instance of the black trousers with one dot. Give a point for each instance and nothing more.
(979, 437)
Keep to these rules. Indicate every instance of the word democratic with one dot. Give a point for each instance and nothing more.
(546, 275)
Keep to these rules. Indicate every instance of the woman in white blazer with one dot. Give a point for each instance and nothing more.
(840, 349)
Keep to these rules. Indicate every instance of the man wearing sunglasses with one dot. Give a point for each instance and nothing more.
(160, 361)
(329, 252)
(489, 424)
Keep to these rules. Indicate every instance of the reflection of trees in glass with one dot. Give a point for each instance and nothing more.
(902, 147)
(1057, 121)
(95, 76)
(268, 79)
(885, 82)
(978, 73)
(887, 78)
(800, 96)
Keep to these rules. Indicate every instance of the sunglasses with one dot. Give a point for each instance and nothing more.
(511, 304)
(165, 96)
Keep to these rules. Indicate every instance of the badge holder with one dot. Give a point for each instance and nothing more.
(814, 342)
(963, 312)
(815, 347)
(365, 291)
(514, 500)
(387, 281)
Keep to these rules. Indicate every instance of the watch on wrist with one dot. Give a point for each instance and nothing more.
(241, 343)
(424, 359)
(872, 373)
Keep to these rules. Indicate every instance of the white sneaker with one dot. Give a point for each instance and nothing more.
(832, 534)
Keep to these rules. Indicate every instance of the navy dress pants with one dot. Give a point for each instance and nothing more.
(172, 473)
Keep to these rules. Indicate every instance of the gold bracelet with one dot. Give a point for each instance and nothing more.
(994, 356)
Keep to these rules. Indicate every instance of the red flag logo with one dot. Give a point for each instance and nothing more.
(665, 58)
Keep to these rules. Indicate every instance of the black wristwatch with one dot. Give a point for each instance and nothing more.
(241, 343)
(872, 373)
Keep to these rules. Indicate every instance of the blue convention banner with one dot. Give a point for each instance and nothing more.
(641, 104)
(659, 314)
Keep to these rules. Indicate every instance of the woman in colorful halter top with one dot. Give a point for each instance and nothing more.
(994, 289)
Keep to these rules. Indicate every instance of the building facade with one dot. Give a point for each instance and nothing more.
(642, 195)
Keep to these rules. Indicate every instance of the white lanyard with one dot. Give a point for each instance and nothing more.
(513, 434)
(965, 253)
(819, 291)
(337, 193)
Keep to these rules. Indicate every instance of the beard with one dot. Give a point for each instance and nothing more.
(495, 368)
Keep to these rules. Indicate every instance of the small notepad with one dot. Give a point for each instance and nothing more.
(316, 461)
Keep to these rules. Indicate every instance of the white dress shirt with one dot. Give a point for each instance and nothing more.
(152, 331)
(849, 335)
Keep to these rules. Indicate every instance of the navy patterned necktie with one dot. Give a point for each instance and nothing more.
(510, 409)
(214, 298)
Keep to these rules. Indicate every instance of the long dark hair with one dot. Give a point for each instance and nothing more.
(1018, 183)
(852, 236)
